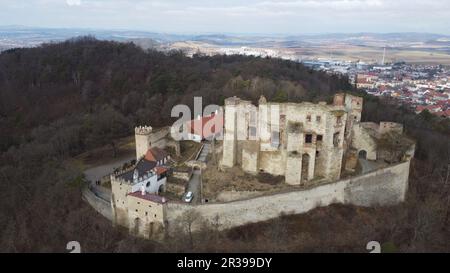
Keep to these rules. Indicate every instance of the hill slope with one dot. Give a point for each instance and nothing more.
(59, 100)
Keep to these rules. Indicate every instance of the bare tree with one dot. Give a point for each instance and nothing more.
(188, 218)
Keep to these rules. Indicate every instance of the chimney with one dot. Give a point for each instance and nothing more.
(143, 190)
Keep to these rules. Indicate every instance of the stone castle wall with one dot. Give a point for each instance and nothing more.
(119, 201)
(386, 186)
(100, 205)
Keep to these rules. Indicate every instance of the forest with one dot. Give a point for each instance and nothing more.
(61, 99)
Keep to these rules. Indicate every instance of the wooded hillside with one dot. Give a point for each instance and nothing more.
(59, 100)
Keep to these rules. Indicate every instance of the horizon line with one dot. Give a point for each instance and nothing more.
(217, 33)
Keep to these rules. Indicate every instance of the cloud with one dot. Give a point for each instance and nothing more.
(261, 16)
(73, 2)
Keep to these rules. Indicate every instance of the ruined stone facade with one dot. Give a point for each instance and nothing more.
(304, 142)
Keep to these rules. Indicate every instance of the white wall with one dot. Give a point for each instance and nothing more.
(152, 188)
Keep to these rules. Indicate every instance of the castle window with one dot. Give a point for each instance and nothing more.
(155, 215)
(318, 118)
(139, 203)
(319, 138)
(252, 131)
(317, 153)
(308, 138)
(148, 184)
(336, 139)
(136, 210)
(275, 140)
(146, 213)
(308, 118)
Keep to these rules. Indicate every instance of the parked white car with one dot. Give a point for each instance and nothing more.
(188, 197)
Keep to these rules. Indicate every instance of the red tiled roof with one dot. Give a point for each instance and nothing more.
(431, 108)
(149, 197)
(443, 113)
(363, 81)
(160, 170)
(155, 154)
(206, 126)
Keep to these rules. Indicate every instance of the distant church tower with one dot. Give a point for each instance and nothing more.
(143, 143)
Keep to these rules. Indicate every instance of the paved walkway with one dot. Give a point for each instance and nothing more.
(195, 182)
(96, 174)
(194, 186)
(204, 153)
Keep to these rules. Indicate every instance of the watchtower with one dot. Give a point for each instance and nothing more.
(143, 142)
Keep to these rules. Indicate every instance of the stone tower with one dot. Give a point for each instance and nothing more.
(229, 139)
(143, 142)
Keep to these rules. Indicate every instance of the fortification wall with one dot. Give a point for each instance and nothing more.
(386, 186)
(100, 205)
(158, 138)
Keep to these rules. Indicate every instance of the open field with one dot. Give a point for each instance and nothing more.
(412, 53)
(374, 54)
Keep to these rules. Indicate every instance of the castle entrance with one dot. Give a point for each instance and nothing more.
(137, 223)
(362, 154)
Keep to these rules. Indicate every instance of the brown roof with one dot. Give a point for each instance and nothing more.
(149, 197)
(155, 154)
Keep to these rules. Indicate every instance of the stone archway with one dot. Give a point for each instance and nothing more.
(161, 189)
(305, 166)
(362, 154)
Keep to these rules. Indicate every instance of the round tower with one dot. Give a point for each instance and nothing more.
(142, 135)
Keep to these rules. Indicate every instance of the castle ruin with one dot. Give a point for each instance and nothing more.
(311, 145)
(304, 142)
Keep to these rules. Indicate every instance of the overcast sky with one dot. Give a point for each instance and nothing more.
(233, 16)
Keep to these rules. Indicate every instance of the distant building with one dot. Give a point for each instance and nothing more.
(365, 81)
